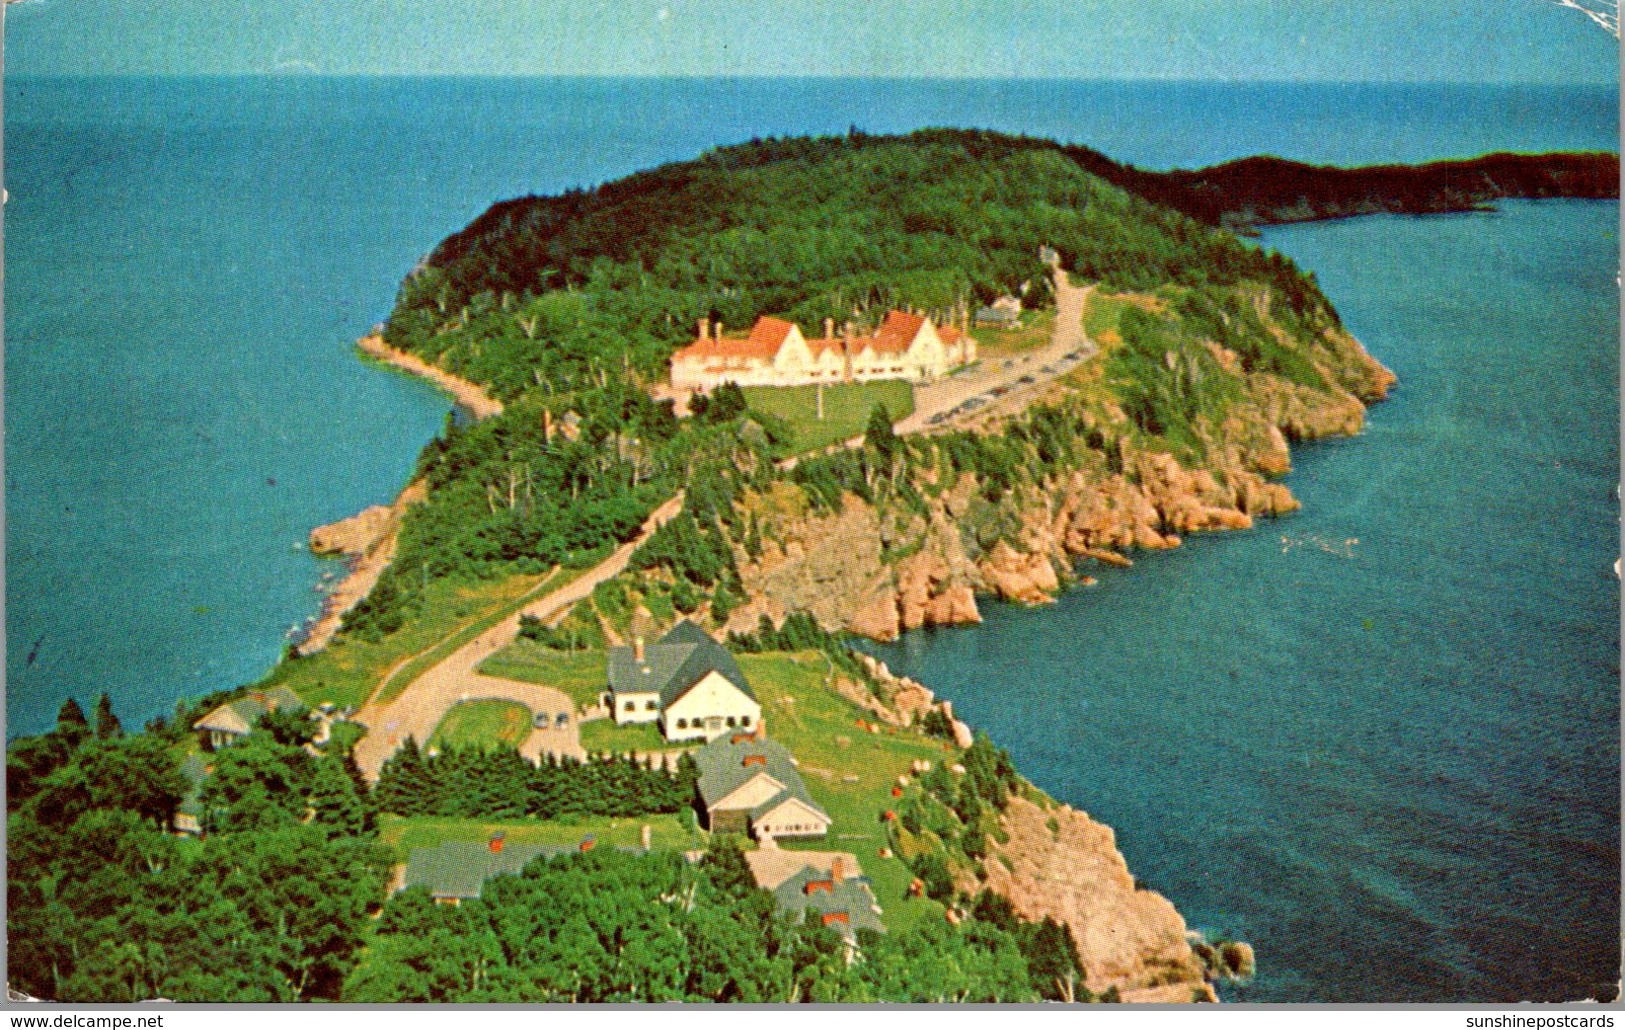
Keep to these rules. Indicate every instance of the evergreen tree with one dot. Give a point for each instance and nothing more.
(107, 724)
(879, 434)
(71, 723)
(337, 809)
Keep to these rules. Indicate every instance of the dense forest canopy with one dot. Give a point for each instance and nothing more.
(832, 227)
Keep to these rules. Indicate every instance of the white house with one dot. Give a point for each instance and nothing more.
(686, 682)
(776, 353)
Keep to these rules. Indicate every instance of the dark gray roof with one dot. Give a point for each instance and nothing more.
(672, 665)
(458, 869)
(723, 769)
(851, 896)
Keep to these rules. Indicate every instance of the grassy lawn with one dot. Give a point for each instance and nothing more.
(402, 677)
(406, 834)
(581, 674)
(483, 723)
(819, 727)
(999, 344)
(348, 671)
(602, 736)
(846, 408)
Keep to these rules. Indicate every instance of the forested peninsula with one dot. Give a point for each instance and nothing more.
(594, 507)
(1259, 191)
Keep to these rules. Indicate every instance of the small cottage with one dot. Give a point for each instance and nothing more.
(749, 784)
(235, 720)
(457, 871)
(842, 901)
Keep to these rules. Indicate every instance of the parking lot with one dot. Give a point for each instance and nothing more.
(939, 405)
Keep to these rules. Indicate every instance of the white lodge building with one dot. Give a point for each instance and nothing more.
(906, 346)
(686, 682)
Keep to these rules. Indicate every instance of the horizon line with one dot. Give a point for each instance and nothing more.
(295, 74)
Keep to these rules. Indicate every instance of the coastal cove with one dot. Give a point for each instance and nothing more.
(1397, 708)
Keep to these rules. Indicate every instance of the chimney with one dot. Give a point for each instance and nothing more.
(637, 648)
(647, 837)
(829, 328)
(705, 329)
(495, 843)
(837, 869)
(751, 760)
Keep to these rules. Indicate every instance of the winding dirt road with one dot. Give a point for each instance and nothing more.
(419, 708)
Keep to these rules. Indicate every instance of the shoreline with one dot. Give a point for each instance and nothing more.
(468, 396)
(368, 558)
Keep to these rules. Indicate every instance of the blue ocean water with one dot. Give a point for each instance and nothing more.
(1379, 738)
(190, 259)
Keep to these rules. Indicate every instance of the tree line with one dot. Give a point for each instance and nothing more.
(497, 783)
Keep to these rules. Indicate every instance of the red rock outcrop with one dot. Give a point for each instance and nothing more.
(1060, 863)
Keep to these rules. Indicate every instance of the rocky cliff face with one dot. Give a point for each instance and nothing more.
(878, 573)
(1060, 863)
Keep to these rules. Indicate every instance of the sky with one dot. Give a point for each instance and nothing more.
(1304, 40)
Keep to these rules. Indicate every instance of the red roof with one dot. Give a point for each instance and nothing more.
(948, 334)
(770, 332)
(764, 341)
(897, 332)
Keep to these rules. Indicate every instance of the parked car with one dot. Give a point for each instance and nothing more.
(999, 391)
(1028, 380)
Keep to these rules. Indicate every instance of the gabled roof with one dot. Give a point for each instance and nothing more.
(724, 769)
(770, 332)
(675, 663)
(786, 797)
(851, 896)
(897, 332)
(241, 715)
(764, 341)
